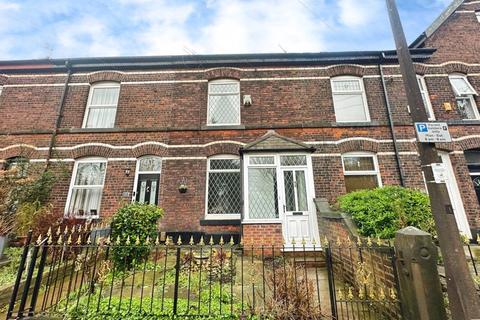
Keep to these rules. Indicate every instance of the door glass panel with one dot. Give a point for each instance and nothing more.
(262, 193)
(153, 192)
(150, 164)
(301, 190)
(143, 190)
(289, 191)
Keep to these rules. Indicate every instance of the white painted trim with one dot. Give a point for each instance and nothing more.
(425, 92)
(284, 78)
(326, 155)
(269, 221)
(184, 158)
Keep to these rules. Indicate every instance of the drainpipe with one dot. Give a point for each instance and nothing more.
(392, 126)
(59, 117)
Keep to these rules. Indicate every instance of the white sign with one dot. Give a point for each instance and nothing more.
(439, 173)
(432, 132)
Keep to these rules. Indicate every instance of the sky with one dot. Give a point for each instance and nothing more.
(36, 29)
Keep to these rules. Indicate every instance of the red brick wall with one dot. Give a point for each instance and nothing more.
(258, 235)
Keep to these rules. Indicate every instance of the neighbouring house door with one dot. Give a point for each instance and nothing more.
(295, 205)
(455, 197)
(147, 188)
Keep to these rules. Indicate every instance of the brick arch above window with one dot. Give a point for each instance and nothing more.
(420, 69)
(464, 144)
(150, 150)
(113, 76)
(91, 151)
(222, 148)
(457, 68)
(358, 145)
(346, 70)
(23, 151)
(223, 73)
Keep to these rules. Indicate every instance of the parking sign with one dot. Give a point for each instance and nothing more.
(432, 132)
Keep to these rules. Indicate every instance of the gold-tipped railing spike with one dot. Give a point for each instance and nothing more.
(191, 242)
(147, 241)
(350, 293)
(60, 240)
(66, 230)
(359, 241)
(108, 241)
(79, 239)
(361, 293)
(369, 241)
(59, 230)
(167, 241)
(69, 240)
(325, 241)
(201, 242)
(179, 241)
(304, 242)
(393, 295)
(339, 242)
(80, 227)
(49, 232)
(340, 295)
(221, 241)
(349, 242)
(381, 295)
(39, 239)
(293, 241)
(211, 241)
(89, 240)
(379, 241)
(231, 242)
(371, 294)
(137, 241)
(128, 241)
(157, 241)
(98, 240)
(313, 241)
(50, 239)
(117, 241)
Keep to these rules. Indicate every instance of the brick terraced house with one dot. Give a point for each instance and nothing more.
(243, 144)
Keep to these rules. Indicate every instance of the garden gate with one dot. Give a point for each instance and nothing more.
(72, 274)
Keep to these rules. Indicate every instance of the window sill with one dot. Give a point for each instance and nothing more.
(223, 127)
(214, 221)
(356, 124)
(463, 121)
(262, 221)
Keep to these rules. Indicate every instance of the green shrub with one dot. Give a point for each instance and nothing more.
(129, 222)
(382, 211)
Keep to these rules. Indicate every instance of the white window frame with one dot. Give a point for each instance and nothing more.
(375, 172)
(477, 14)
(468, 96)
(362, 92)
(1, 90)
(424, 91)
(279, 172)
(138, 172)
(104, 84)
(219, 216)
(223, 81)
(72, 185)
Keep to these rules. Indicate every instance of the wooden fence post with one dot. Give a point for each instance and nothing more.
(420, 289)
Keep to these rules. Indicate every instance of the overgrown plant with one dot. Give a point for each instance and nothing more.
(131, 223)
(381, 212)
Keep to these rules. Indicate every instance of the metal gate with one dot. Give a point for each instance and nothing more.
(72, 274)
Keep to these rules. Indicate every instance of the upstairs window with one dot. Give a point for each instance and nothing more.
(1, 89)
(224, 195)
(223, 102)
(464, 94)
(102, 105)
(425, 97)
(349, 99)
(86, 188)
(361, 171)
(477, 13)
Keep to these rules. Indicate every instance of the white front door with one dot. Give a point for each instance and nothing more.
(455, 197)
(295, 205)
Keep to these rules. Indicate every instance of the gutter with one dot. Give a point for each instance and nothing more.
(59, 117)
(392, 127)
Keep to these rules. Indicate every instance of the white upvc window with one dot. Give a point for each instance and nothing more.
(86, 187)
(349, 99)
(1, 89)
(223, 102)
(477, 13)
(361, 171)
(102, 105)
(464, 94)
(425, 97)
(224, 188)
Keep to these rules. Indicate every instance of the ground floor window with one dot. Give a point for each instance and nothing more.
(224, 190)
(473, 162)
(360, 171)
(86, 188)
(147, 179)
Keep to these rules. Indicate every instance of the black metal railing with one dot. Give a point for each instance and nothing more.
(85, 275)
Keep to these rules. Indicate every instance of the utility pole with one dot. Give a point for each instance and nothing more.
(463, 298)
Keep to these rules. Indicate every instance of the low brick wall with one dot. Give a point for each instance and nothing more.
(262, 234)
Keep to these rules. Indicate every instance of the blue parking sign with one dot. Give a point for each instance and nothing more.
(422, 127)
